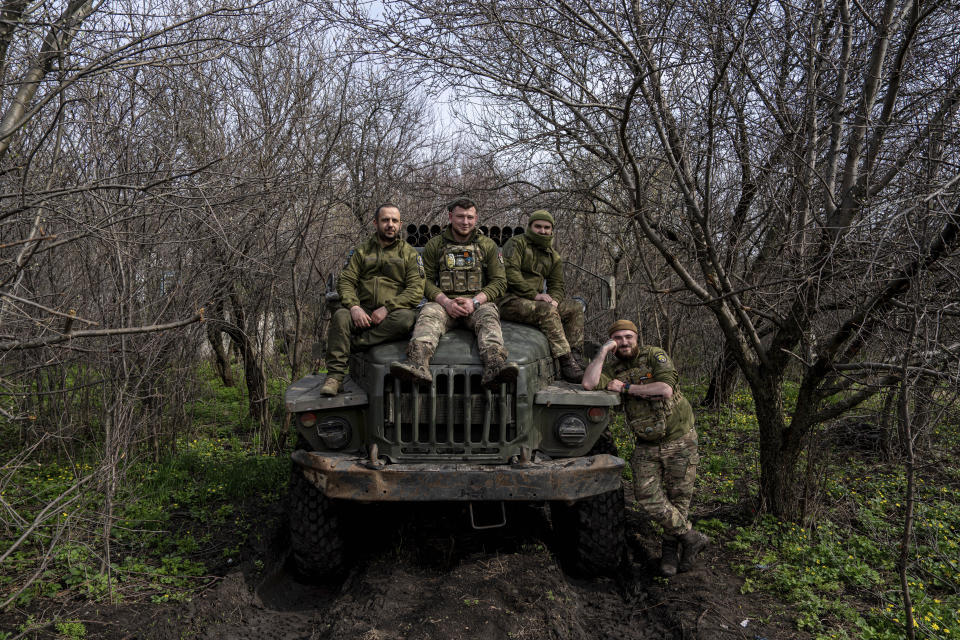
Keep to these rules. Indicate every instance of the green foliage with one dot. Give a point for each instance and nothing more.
(71, 629)
(840, 575)
(174, 520)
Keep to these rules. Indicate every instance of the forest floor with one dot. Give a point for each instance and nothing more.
(425, 574)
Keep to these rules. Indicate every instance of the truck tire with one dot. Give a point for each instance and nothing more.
(590, 533)
(316, 530)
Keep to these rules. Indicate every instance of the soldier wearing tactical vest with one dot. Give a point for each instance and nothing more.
(665, 457)
(535, 293)
(379, 288)
(464, 276)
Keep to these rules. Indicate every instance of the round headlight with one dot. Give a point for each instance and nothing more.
(335, 432)
(307, 419)
(571, 430)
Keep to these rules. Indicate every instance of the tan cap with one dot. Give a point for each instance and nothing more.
(621, 325)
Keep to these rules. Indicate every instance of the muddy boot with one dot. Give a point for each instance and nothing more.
(668, 556)
(417, 365)
(570, 369)
(496, 370)
(330, 387)
(693, 543)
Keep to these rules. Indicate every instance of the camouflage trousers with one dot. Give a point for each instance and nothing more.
(434, 321)
(562, 325)
(663, 479)
(343, 336)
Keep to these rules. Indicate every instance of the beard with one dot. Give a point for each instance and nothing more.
(387, 238)
(628, 353)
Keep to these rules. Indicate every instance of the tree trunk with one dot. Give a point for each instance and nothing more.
(220, 358)
(722, 381)
(780, 479)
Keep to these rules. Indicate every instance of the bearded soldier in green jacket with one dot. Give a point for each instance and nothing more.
(464, 276)
(535, 293)
(379, 289)
(665, 457)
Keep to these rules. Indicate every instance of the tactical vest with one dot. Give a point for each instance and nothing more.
(460, 271)
(647, 418)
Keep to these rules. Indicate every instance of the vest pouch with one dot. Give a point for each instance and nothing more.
(473, 283)
(460, 281)
(446, 281)
(647, 419)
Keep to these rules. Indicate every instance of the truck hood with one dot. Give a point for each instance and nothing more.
(524, 344)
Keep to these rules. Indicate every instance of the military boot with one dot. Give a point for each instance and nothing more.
(496, 369)
(570, 369)
(668, 556)
(693, 543)
(330, 387)
(417, 365)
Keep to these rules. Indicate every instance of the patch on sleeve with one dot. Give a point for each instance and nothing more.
(661, 358)
(349, 255)
(500, 256)
(420, 266)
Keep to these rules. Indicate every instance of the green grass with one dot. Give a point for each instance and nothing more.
(174, 522)
(840, 575)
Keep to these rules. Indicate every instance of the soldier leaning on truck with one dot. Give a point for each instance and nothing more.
(464, 276)
(379, 288)
(531, 262)
(665, 458)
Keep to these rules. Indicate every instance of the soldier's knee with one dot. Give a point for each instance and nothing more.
(487, 312)
(403, 317)
(341, 319)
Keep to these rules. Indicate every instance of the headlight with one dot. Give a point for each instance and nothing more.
(335, 432)
(571, 430)
(307, 419)
(596, 414)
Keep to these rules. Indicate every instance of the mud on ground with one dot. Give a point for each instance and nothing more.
(424, 573)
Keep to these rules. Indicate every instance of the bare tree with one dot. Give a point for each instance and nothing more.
(792, 165)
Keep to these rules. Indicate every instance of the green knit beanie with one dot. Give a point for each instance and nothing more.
(540, 214)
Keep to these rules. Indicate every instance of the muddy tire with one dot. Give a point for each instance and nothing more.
(316, 530)
(590, 533)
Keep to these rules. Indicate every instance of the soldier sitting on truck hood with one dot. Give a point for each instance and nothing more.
(464, 276)
(531, 262)
(665, 457)
(379, 288)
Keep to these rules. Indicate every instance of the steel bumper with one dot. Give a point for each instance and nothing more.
(351, 477)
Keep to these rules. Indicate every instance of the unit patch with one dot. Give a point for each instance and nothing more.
(661, 358)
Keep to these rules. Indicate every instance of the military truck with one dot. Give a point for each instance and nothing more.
(538, 439)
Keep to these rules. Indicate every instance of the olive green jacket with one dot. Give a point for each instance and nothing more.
(528, 267)
(494, 278)
(377, 276)
(651, 420)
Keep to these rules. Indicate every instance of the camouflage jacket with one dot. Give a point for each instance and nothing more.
(435, 258)
(651, 420)
(529, 267)
(377, 276)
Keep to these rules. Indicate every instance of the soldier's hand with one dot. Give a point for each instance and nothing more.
(359, 317)
(545, 297)
(463, 306)
(608, 346)
(378, 315)
(615, 385)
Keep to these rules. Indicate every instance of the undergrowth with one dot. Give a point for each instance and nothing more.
(839, 573)
(174, 525)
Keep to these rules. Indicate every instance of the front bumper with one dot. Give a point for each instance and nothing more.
(351, 477)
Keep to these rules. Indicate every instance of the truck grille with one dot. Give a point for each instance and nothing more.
(453, 417)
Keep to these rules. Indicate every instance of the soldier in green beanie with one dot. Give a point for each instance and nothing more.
(665, 458)
(535, 293)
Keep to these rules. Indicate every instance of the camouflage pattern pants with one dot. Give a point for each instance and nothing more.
(663, 479)
(434, 321)
(343, 336)
(562, 325)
